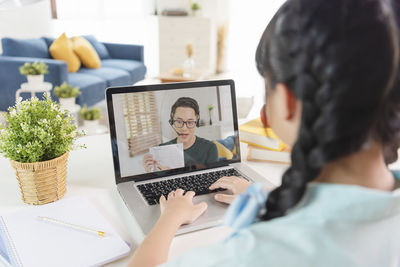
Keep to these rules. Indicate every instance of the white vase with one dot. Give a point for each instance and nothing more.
(35, 79)
(91, 126)
(67, 103)
(188, 67)
(195, 13)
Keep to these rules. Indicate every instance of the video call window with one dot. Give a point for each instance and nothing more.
(165, 130)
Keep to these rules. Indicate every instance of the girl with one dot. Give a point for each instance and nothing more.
(332, 93)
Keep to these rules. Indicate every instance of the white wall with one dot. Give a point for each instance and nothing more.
(248, 20)
(28, 21)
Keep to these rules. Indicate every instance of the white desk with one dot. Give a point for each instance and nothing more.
(91, 173)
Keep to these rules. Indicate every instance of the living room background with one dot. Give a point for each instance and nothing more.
(133, 21)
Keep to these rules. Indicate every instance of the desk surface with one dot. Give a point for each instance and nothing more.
(91, 173)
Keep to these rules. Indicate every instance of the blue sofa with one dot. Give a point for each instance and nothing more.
(121, 64)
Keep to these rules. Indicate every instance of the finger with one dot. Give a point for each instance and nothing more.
(223, 184)
(148, 159)
(224, 198)
(149, 164)
(200, 209)
(223, 179)
(190, 194)
(179, 192)
(163, 202)
(171, 194)
(158, 166)
(163, 199)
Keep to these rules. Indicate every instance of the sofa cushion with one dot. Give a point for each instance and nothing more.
(61, 49)
(25, 47)
(92, 88)
(113, 77)
(86, 53)
(223, 152)
(48, 40)
(136, 69)
(99, 47)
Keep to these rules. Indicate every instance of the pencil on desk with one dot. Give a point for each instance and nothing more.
(73, 226)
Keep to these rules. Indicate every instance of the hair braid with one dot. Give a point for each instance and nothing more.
(313, 47)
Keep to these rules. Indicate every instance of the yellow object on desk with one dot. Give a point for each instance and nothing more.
(254, 133)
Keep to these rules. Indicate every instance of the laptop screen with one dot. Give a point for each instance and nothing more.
(161, 130)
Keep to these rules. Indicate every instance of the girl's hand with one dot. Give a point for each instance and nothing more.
(234, 184)
(180, 206)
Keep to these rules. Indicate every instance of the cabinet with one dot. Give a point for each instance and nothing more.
(176, 32)
(209, 132)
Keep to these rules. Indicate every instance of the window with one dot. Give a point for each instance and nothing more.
(143, 124)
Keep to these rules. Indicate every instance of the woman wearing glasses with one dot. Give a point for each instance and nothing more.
(185, 115)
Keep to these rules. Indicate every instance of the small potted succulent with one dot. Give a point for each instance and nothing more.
(90, 118)
(67, 95)
(36, 138)
(34, 71)
(195, 8)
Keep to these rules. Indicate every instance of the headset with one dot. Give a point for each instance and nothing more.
(171, 120)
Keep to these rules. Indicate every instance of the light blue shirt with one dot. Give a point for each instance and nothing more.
(333, 225)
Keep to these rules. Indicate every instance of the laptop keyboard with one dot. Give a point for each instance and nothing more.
(198, 183)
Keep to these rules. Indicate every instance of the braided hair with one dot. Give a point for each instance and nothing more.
(339, 58)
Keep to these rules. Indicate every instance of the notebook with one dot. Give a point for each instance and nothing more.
(25, 240)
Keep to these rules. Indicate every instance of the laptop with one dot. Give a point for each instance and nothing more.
(176, 135)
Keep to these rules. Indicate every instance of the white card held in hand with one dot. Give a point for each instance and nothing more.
(170, 156)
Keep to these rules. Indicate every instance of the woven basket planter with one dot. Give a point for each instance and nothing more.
(42, 182)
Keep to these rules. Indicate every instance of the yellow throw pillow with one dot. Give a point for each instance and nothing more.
(86, 53)
(61, 49)
(223, 152)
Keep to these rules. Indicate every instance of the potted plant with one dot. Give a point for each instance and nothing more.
(34, 71)
(195, 8)
(210, 109)
(90, 118)
(37, 138)
(67, 95)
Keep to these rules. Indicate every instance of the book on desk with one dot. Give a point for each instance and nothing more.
(25, 240)
(255, 153)
(254, 133)
(263, 144)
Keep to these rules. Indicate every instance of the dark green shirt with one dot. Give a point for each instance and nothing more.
(201, 152)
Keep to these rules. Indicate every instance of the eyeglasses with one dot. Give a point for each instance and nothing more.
(179, 123)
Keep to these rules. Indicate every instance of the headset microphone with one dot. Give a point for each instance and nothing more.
(171, 122)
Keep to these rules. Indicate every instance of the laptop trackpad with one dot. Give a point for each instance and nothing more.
(211, 217)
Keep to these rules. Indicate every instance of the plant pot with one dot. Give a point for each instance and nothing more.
(91, 126)
(42, 182)
(35, 79)
(196, 13)
(67, 103)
